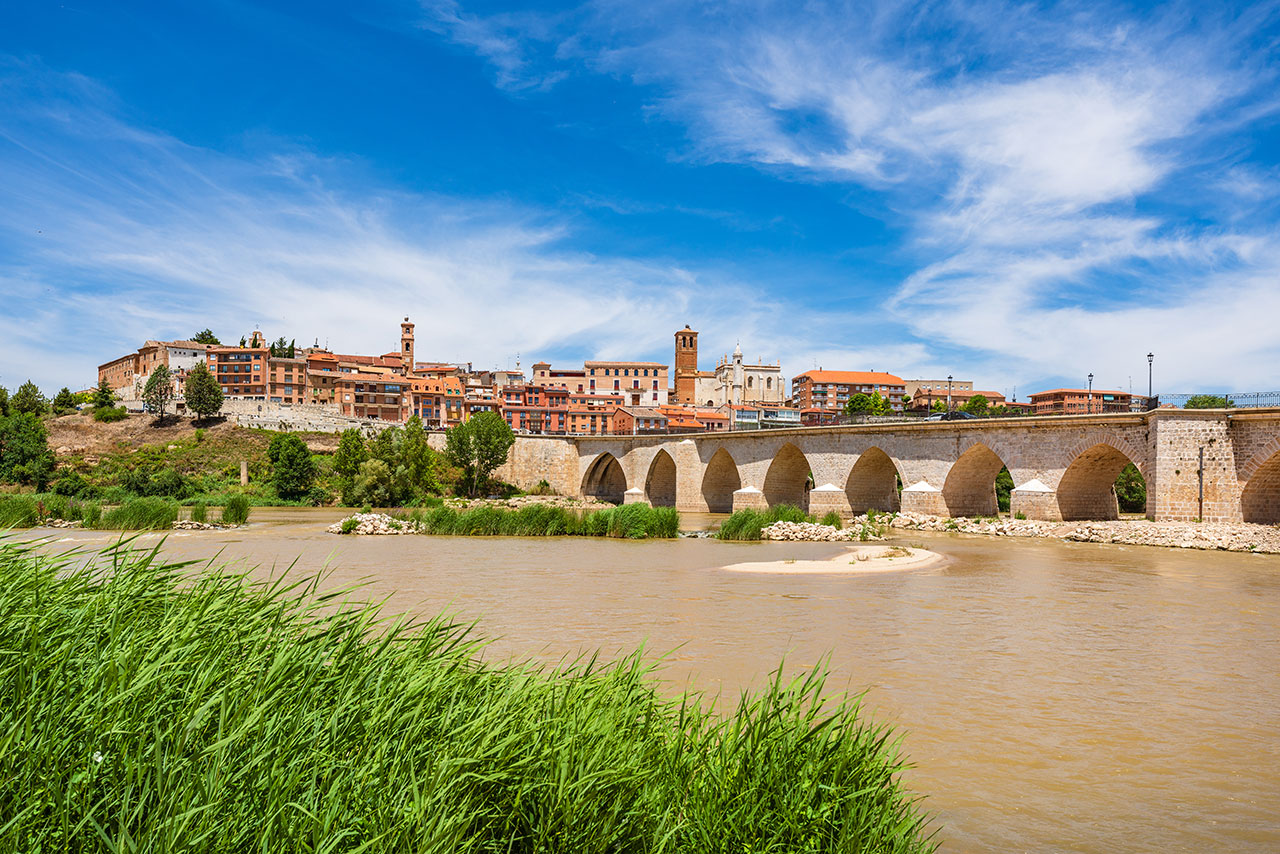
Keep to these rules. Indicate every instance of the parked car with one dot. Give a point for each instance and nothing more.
(954, 415)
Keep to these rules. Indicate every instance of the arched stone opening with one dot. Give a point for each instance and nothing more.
(1260, 501)
(1088, 486)
(660, 485)
(719, 482)
(873, 483)
(788, 481)
(604, 479)
(970, 487)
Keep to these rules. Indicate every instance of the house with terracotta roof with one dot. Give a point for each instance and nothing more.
(831, 390)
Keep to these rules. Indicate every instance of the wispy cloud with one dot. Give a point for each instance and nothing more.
(1052, 163)
(151, 237)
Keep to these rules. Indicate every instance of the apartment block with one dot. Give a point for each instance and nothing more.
(1080, 401)
(831, 390)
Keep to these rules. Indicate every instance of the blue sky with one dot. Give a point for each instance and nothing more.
(1018, 194)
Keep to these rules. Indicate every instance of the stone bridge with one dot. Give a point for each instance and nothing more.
(1063, 468)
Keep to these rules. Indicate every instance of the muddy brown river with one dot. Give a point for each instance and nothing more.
(1053, 696)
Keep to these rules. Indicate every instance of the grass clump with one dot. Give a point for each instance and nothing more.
(747, 524)
(236, 510)
(141, 514)
(19, 511)
(631, 521)
(200, 512)
(833, 519)
(151, 706)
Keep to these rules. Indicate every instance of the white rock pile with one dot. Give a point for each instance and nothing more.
(189, 525)
(375, 524)
(1241, 537)
(812, 532)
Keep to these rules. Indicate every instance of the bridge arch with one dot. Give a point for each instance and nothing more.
(719, 482)
(787, 481)
(1260, 499)
(970, 487)
(605, 479)
(1087, 488)
(660, 484)
(873, 483)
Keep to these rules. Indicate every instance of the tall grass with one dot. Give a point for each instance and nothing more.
(236, 510)
(148, 706)
(19, 511)
(141, 514)
(631, 521)
(747, 524)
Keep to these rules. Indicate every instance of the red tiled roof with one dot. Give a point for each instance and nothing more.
(851, 377)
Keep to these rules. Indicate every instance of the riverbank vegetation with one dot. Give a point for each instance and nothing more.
(134, 514)
(747, 525)
(208, 712)
(628, 521)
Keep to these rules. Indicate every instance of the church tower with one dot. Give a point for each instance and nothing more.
(406, 347)
(686, 365)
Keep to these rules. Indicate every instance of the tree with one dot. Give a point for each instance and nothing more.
(4, 401)
(206, 336)
(293, 471)
(242, 341)
(28, 399)
(938, 406)
(293, 347)
(103, 396)
(977, 406)
(478, 446)
(279, 348)
(1131, 490)
(24, 450)
(350, 454)
(1004, 486)
(1208, 401)
(416, 463)
(204, 394)
(158, 391)
(64, 401)
(858, 404)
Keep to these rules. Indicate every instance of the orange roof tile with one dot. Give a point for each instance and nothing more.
(851, 377)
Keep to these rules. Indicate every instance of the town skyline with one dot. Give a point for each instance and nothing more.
(1023, 195)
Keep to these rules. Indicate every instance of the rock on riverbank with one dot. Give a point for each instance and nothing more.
(1242, 537)
(813, 532)
(373, 523)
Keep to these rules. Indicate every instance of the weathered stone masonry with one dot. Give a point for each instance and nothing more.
(1063, 468)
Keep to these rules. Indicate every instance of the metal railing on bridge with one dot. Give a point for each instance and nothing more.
(1234, 400)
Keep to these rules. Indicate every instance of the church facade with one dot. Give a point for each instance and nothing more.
(733, 382)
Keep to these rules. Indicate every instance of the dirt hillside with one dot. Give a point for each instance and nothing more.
(79, 435)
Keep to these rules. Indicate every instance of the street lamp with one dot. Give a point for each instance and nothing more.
(1089, 405)
(948, 392)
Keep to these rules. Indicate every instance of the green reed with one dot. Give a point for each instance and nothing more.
(631, 521)
(747, 524)
(148, 706)
(141, 514)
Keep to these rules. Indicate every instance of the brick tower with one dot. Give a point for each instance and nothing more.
(686, 365)
(406, 347)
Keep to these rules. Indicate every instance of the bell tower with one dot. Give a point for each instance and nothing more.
(686, 365)
(406, 347)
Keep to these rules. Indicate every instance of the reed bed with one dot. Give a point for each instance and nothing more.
(747, 524)
(236, 510)
(141, 514)
(148, 706)
(630, 521)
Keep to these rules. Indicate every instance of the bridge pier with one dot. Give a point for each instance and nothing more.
(922, 497)
(827, 498)
(749, 498)
(1034, 500)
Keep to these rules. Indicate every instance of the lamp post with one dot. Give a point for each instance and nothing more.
(1089, 404)
(1151, 357)
(948, 392)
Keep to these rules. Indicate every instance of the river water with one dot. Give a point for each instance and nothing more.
(1052, 696)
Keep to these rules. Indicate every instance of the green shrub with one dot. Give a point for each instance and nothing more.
(193, 710)
(110, 414)
(91, 515)
(115, 495)
(200, 512)
(350, 524)
(141, 514)
(236, 510)
(833, 519)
